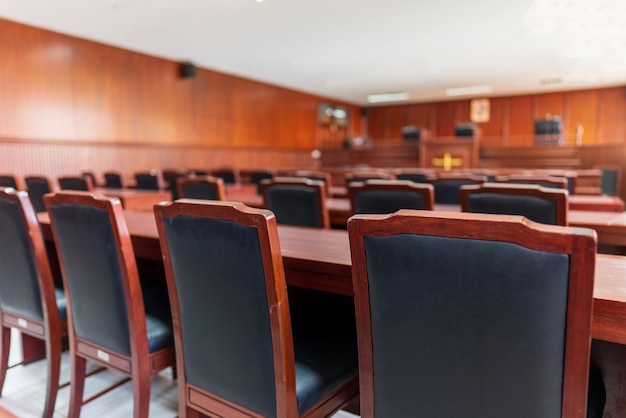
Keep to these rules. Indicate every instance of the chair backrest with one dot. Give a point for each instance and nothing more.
(104, 297)
(362, 175)
(539, 204)
(83, 184)
(417, 175)
(539, 180)
(208, 188)
(150, 180)
(296, 201)
(26, 282)
(8, 180)
(91, 176)
(113, 180)
(611, 180)
(257, 176)
(387, 196)
(229, 175)
(462, 314)
(447, 186)
(37, 187)
(229, 305)
(324, 176)
(170, 178)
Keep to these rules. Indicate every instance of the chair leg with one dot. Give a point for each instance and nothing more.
(79, 368)
(141, 395)
(53, 358)
(5, 344)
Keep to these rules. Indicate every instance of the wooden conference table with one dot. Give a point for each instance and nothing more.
(320, 259)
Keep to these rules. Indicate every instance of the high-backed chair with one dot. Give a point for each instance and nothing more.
(170, 178)
(417, 175)
(91, 176)
(229, 175)
(113, 180)
(448, 185)
(296, 201)
(37, 187)
(8, 180)
(387, 196)
(257, 176)
(75, 183)
(150, 180)
(611, 181)
(539, 204)
(112, 320)
(324, 176)
(208, 188)
(471, 315)
(239, 351)
(29, 300)
(362, 175)
(539, 180)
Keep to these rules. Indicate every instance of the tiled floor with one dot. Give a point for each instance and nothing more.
(24, 391)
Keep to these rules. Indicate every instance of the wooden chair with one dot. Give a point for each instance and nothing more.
(417, 175)
(296, 201)
(448, 185)
(75, 183)
(240, 352)
(611, 181)
(471, 315)
(29, 299)
(113, 180)
(539, 204)
(91, 176)
(112, 320)
(207, 187)
(362, 175)
(8, 180)
(38, 187)
(150, 180)
(257, 176)
(539, 180)
(324, 176)
(229, 175)
(387, 196)
(170, 178)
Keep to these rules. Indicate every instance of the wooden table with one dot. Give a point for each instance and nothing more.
(320, 259)
(136, 199)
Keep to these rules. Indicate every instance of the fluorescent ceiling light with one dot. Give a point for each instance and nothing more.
(387, 97)
(465, 91)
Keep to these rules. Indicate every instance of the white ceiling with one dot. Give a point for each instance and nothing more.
(347, 49)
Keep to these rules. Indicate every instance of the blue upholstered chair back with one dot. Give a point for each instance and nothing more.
(224, 313)
(610, 180)
(388, 196)
(148, 181)
(229, 175)
(8, 181)
(256, 177)
(447, 191)
(297, 203)
(211, 188)
(415, 177)
(19, 283)
(75, 183)
(464, 323)
(92, 273)
(113, 180)
(37, 187)
(533, 208)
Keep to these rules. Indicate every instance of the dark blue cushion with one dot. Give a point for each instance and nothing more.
(533, 208)
(387, 201)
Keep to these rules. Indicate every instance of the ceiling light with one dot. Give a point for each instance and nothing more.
(470, 90)
(387, 97)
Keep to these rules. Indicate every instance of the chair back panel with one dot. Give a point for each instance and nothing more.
(209, 188)
(387, 201)
(19, 283)
(147, 181)
(8, 181)
(295, 205)
(533, 208)
(93, 278)
(75, 183)
(448, 191)
(113, 180)
(37, 187)
(224, 313)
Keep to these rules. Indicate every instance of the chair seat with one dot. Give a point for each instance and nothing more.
(158, 318)
(325, 356)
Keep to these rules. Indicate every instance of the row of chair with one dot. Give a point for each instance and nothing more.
(444, 327)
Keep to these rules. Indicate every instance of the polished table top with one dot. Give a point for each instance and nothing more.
(320, 259)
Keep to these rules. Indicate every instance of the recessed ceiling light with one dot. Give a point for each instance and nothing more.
(387, 97)
(470, 90)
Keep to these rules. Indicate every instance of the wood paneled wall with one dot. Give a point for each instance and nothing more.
(56, 88)
(600, 112)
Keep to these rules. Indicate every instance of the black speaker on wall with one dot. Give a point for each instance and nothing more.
(187, 70)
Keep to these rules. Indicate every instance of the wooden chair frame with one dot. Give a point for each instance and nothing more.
(579, 244)
(314, 185)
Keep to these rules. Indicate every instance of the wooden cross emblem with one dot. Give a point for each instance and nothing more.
(447, 162)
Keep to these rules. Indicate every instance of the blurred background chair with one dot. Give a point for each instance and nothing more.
(448, 185)
(114, 321)
(113, 180)
(8, 180)
(362, 175)
(611, 181)
(241, 350)
(388, 196)
(29, 299)
(170, 178)
(296, 201)
(206, 187)
(150, 180)
(464, 315)
(539, 204)
(75, 183)
(537, 179)
(37, 187)
(229, 175)
(316, 175)
(417, 175)
(91, 176)
(257, 176)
